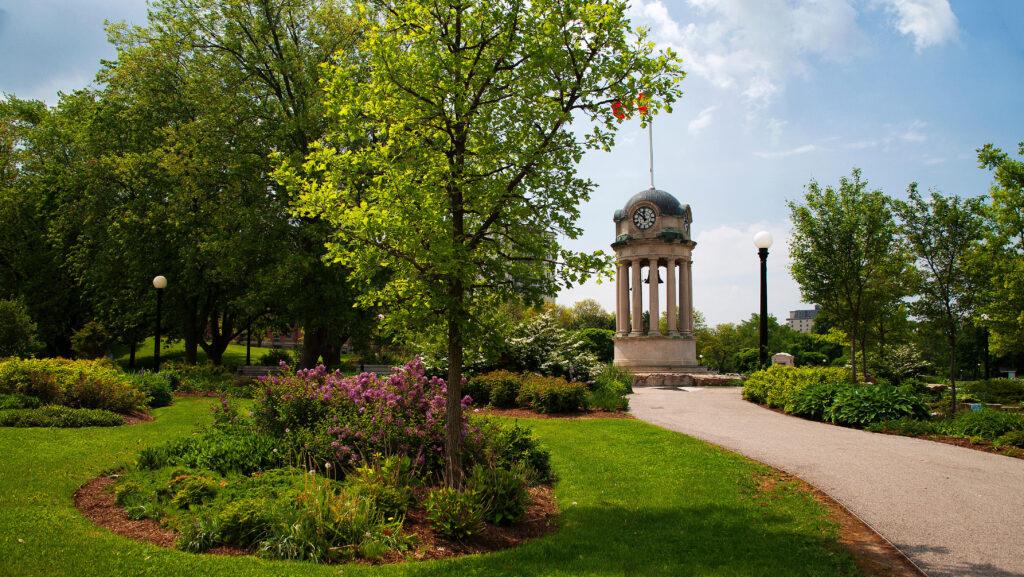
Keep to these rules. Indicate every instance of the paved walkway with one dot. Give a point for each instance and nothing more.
(953, 511)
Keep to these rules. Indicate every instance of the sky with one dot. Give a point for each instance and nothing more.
(778, 92)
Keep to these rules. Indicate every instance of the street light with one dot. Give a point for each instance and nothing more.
(763, 240)
(159, 283)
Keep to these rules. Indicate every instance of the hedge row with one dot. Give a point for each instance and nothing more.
(822, 393)
(506, 390)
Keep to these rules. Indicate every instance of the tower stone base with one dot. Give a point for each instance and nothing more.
(658, 360)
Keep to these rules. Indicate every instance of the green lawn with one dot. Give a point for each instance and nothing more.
(233, 356)
(636, 500)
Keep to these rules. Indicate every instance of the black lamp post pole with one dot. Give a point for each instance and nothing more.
(763, 344)
(156, 341)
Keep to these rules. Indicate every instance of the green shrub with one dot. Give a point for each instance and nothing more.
(552, 395)
(188, 490)
(906, 426)
(201, 378)
(497, 389)
(18, 333)
(986, 423)
(385, 483)
(507, 445)
(598, 342)
(273, 358)
(92, 341)
(59, 416)
(1003, 391)
(453, 513)
(609, 389)
(18, 401)
(810, 359)
(775, 385)
(865, 404)
(812, 401)
(156, 386)
(1011, 439)
(245, 522)
(76, 384)
(501, 493)
(227, 450)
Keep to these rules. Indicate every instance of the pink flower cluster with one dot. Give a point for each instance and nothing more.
(351, 419)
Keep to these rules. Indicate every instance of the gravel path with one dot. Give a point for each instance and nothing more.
(953, 511)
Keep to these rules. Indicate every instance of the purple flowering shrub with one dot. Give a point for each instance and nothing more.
(328, 417)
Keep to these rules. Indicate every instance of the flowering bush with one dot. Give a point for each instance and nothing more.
(346, 420)
(541, 345)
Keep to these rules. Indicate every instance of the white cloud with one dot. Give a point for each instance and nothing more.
(702, 120)
(804, 149)
(930, 22)
(755, 46)
(914, 132)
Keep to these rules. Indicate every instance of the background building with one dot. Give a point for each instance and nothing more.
(802, 321)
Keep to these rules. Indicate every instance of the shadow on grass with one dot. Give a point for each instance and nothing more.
(688, 540)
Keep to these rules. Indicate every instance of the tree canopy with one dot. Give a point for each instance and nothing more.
(450, 160)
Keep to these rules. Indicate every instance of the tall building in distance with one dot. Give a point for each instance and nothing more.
(802, 321)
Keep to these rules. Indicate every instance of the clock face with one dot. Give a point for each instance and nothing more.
(643, 218)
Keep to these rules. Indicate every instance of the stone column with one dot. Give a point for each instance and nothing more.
(622, 298)
(688, 309)
(670, 296)
(652, 279)
(637, 318)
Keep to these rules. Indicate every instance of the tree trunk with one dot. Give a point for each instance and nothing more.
(131, 355)
(952, 375)
(864, 355)
(853, 357)
(331, 351)
(312, 345)
(193, 334)
(453, 408)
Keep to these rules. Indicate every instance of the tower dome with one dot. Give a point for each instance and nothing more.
(666, 203)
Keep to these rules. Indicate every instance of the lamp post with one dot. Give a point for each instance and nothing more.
(159, 283)
(763, 240)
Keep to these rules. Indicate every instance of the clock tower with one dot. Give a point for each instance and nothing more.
(653, 252)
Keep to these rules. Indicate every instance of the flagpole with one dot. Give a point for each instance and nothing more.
(650, 146)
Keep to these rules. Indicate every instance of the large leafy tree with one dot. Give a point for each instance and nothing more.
(42, 162)
(179, 138)
(847, 256)
(451, 157)
(944, 233)
(1005, 249)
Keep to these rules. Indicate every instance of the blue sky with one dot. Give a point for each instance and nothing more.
(778, 92)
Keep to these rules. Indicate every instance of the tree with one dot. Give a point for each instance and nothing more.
(17, 331)
(39, 158)
(1004, 249)
(451, 157)
(945, 234)
(847, 257)
(589, 314)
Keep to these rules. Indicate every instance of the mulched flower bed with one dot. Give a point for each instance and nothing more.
(96, 501)
(528, 414)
